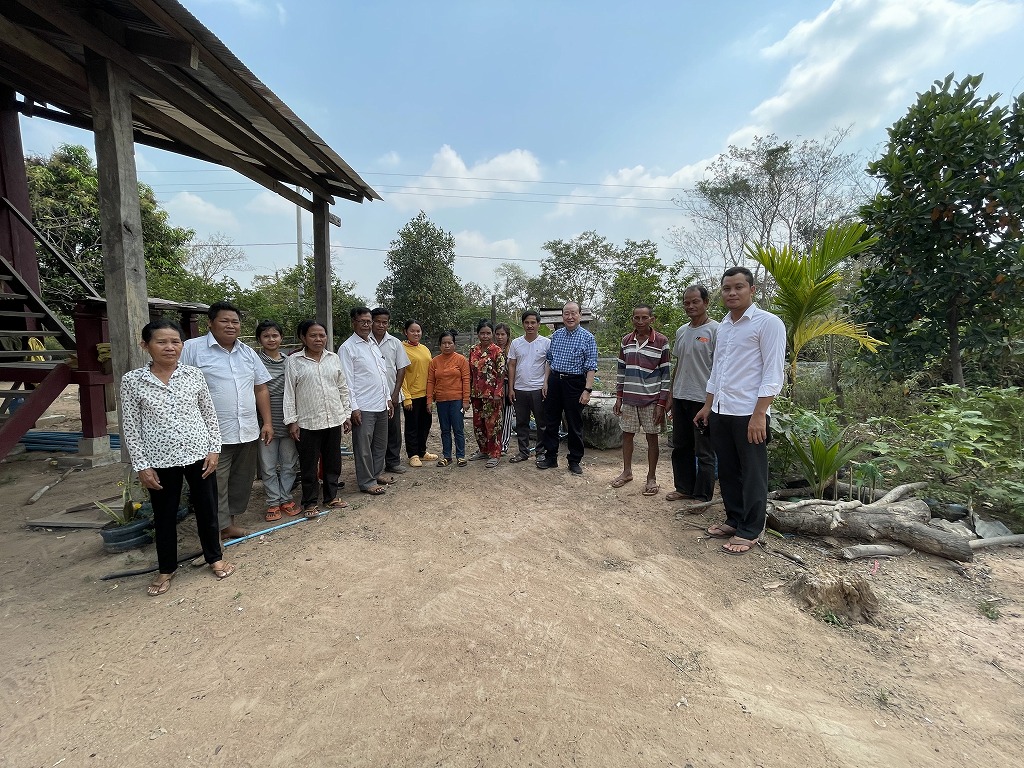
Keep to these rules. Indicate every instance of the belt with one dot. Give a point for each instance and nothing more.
(569, 375)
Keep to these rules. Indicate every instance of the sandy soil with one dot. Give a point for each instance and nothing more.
(477, 617)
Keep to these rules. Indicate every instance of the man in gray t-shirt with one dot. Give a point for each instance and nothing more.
(693, 460)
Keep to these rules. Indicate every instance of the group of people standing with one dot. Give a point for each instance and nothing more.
(718, 397)
(207, 410)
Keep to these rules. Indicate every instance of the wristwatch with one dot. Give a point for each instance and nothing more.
(588, 390)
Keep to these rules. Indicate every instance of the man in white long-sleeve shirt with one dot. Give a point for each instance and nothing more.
(747, 375)
(370, 398)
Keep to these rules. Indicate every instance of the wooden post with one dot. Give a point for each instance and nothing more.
(15, 240)
(322, 266)
(124, 266)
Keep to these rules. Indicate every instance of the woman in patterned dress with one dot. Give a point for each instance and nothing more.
(503, 338)
(487, 393)
(171, 430)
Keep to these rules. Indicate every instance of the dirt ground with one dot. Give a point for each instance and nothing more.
(505, 617)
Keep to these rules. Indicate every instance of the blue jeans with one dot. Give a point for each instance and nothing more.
(279, 464)
(450, 417)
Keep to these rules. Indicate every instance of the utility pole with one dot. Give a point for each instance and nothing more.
(298, 250)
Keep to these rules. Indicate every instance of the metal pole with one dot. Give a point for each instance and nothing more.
(298, 250)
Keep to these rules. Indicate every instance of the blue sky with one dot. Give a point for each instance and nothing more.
(514, 123)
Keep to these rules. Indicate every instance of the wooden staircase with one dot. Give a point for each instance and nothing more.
(40, 356)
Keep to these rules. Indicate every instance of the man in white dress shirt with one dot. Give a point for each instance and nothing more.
(237, 380)
(528, 374)
(397, 361)
(372, 406)
(747, 374)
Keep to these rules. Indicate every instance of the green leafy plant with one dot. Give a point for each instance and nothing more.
(969, 444)
(822, 459)
(128, 511)
(815, 441)
(989, 611)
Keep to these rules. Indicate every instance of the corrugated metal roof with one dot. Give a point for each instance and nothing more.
(190, 94)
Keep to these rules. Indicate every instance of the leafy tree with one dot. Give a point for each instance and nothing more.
(639, 277)
(947, 280)
(63, 190)
(576, 270)
(806, 289)
(218, 255)
(774, 193)
(275, 297)
(422, 284)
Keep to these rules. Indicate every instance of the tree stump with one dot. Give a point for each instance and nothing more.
(848, 598)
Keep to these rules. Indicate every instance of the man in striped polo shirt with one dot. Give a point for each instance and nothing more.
(642, 393)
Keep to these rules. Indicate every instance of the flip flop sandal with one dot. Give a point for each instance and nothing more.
(338, 504)
(160, 586)
(224, 571)
(677, 495)
(517, 458)
(491, 463)
(461, 462)
(290, 508)
(443, 462)
(273, 513)
(618, 482)
(386, 481)
(736, 541)
(651, 489)
(720, 531)
(377, 490)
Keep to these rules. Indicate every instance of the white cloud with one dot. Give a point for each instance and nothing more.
(389, 160)
(477, 257)
(859, 59)
(189, 210)
(267, 203)
(632, 191)
(451, 183)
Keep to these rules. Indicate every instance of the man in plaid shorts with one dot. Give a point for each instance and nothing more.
(642, 393)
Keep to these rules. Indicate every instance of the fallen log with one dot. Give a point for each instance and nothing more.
(904, 523)
(859, 551)
(998, 541)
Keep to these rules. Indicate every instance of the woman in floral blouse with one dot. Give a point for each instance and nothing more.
(503, 338)
(487, 393)
(171, 430)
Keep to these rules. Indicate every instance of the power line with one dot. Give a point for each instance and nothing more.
(560, 201)
(467, 178)
(356, 248)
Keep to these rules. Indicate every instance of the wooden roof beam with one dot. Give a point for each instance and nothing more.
(95, 40)
(164, 49)
(43, 53)
(218, 154)
(255, 99)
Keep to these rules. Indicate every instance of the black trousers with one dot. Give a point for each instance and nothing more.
(319, 446)
(528, 401)
(203, 496)
(742, 474)
(393, 455)
(693, 458)
(564, 398)
(417, 427)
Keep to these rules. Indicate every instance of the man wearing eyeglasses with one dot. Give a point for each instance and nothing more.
(237, 380)
(572, 361)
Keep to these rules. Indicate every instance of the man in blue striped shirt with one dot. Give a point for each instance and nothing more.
(572, 359)
(642, 393)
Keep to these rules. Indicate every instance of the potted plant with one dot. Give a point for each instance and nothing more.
(129, 527)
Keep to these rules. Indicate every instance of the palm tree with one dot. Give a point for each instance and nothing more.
(805, 296)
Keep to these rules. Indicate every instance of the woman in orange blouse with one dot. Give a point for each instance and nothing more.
(448, 386)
